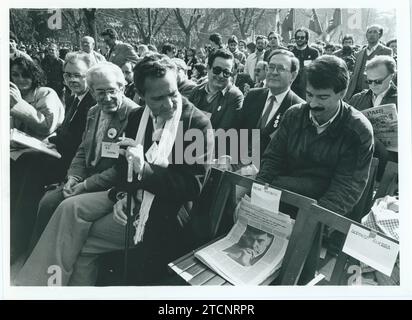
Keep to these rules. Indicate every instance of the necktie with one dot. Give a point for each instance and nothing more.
(265, 117)
(101, 129)
(71, 112)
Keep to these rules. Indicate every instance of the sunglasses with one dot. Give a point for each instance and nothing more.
(377, 81)
(219, 70)
(300, 38)
(272, 38)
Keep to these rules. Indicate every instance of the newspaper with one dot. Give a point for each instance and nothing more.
(21, 142)
(384, 120)
(253, 249)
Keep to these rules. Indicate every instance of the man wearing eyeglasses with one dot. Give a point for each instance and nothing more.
(275, 43)
(373, 48)
(323, 148)
(263, 108)
(218, 98)
(306, 54)
(260, 73)
(91, 169)
(380, 72)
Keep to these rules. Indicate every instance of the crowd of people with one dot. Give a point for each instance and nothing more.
(118, 114)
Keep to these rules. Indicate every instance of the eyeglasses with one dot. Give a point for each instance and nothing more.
(69, 75)
(219, 70)
(257, 70)
(278, 67)
(272, 38)
(377, 81)
(300, 38)
(100, 93)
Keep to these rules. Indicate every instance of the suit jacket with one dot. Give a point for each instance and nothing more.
(121, 53)
(69, 134)
(172, 186)
(100, 176)
(242, 79)
(357, 82)
(252, 110)
(226, 117)
(363, 100)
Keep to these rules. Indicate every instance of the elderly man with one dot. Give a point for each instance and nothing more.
(218, 98)
(185, 85)
(119, 52)
(380, 72)
(87, 45)
(264, 108)
(85, 227)
(255, 57)
(306, 54)
(374, 48)
(323, 148)
(91, 169)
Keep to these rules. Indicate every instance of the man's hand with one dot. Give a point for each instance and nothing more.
(15, 95)
(119, 209)
(78, 189)
(133, 153)
(68, 187)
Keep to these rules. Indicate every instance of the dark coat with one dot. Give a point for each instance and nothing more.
(363, 100)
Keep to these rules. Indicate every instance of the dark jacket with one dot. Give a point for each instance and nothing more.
(363, 100)
(186, 87)
(331, 167)
(242, 79)
(69, 134)
(252, 109)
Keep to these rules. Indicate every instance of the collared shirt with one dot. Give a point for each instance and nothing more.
(80, 97)
(323, 127)
(371, 50)
(210, 96)
(276, 104)
(377, 100)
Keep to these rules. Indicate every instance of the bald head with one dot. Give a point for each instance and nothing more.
(87, 44)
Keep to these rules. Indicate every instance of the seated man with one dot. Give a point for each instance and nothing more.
(380, 72)
(90, 224)
(92, 167)
(323, 148)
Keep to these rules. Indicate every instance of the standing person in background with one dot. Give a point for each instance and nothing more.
(237, 54)
(119, 52)
(215, 41)
(190, 60)
(347, 53)
(169, 50)
(260, 74)
(87, 45)
(306, 55)
(275, 42)
(53, 68)
(255, 57)
(242, 47)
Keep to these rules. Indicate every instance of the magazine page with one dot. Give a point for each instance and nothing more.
(253, 249)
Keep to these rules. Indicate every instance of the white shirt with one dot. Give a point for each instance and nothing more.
(323, 127)
(377, 100)
(251, 63)
(276, 104)
(371, 50)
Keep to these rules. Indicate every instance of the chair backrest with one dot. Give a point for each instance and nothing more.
(389, 181)
(302, 239)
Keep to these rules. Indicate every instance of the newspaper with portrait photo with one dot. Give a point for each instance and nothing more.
(253, 249)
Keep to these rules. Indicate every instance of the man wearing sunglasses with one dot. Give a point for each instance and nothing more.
(374, 48)
(380, 72)
(306, 55)
(218, 98)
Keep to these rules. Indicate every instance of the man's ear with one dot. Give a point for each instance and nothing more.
(342, 93)
(294, 75)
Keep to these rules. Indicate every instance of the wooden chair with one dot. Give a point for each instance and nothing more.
(303, 236)
(221, 219)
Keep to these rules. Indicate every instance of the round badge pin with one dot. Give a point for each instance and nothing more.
(111, 133)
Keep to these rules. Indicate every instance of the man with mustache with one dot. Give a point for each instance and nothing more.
(323, 148)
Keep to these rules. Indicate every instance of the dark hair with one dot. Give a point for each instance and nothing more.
(260, 37)
(151, 66)
(276, 34)
(391, 41)
(110, 32)
(30, 70)
(152, 47)
(219, 53)
(216, 38)
(13, 36)
(302, 29)
(347, 37)
(242, 41)
(232, 39)
(328, 72)
(330, 46)
(294, 62)
(201, 69)
(251, 46)
(167, 47)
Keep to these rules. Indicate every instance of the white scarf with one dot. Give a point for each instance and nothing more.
(166, 143)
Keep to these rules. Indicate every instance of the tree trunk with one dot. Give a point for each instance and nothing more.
(90, 19)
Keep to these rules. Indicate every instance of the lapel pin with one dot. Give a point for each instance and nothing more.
(111, 133)
(219, 108)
